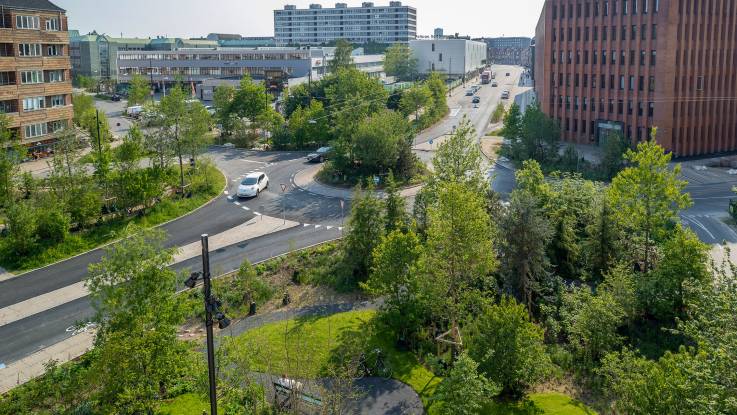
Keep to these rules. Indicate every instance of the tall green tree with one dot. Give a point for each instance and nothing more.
(342, 59)
(459, 159)
(221, 99)
(602, 243)
(647, 196)
(195, 126)
(377, 141)
(612, 160)
(436, 82)
(414, 99)
(400, 62)
(10, 156)
(174, 109)
(250, 100)
(591, 323)
(81, 105)
(309, 126)
(139, 91)
(365, 229)
(512, 123)
(138, 356)
(508, 347)
(394, 206)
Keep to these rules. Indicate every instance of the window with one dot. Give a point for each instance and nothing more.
(611, 107)
(629, 107)
(33, 103)
(611, 81)
(29, 49)
(643, 32)
(639, 109)
(614, 58)
(585, 80)
(602, 81)
(586, 57)
(651, 84)
(7, 78)
(595, 58)
(653, 57)
(31, 77)
(622, 58)
(433, 47)
(614, 33)
(604, 31)
(606, 8)
(632, 57)
(642, 58)
(633, 32)
(654, 34)
(699, 83)
(625, 8)
(55, 76)
(35, 130)
(57, 101)
(650, 109)
(52, 24)
(596, 33)
(53, 50)
(586, 34)
(55, 126)
(646, 6)
(26, 22)
(620, 107)
(555, 12)
(603, 57)
(641, 84)
(632, 83)
(623, 34)
(621, 82)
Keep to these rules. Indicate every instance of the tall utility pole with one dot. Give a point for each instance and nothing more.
(208, 324)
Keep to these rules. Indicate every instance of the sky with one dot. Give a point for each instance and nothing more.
(195, 18)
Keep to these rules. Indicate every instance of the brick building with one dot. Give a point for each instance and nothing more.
(35, 81)
(628, 65)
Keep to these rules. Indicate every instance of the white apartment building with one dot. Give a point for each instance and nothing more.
(369, 23)
(455, 57)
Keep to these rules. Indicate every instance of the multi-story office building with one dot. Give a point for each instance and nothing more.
(35, 85)
(275, 66)
(509, 50)
(457, 57)
(368, 23)
(95, 55)
(624, 66)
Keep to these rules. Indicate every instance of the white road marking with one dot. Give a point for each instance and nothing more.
(237, 203)
(256, 213)
(258, 162)
(700, 225)
(306, 225)
(245, 208)
(318, 226)
(329, 227)
(225, 192)
(454, 112)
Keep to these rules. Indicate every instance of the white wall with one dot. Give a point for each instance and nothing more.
(453, 56)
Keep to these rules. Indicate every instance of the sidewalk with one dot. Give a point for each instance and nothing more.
(304, 180)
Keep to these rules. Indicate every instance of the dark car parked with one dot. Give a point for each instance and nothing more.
(320, 155)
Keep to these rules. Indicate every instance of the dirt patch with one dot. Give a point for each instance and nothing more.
(490, 146)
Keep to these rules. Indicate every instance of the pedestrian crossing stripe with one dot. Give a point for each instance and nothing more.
(245, 208)
(317, 226)
(329, 227)
(307, 224)
(256, 213)
(237, 203)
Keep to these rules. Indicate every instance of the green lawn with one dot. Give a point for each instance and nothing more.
(95, 236)
(303, 348)
(187, 404)
(540, 404)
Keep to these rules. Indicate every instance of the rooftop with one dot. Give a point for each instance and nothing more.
(42, 5)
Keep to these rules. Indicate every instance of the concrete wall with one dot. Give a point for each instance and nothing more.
(452, 56)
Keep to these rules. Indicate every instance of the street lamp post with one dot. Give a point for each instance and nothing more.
(212, 306)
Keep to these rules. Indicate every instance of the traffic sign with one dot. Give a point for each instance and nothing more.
(430, 141)
(283, 187)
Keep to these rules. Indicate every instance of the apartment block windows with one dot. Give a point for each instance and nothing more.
(646, 6)
(654, 34)
(632, 83)
(614, 32)
(29, 49)
(594, 58)
(606, 8)
(570, 57)
(57, 100)
(642, 58)
(640, 109)
(585, 80)
(31, 77)
(604, 32)
(622, 58)
(632, 57)
(586, 57)
(576, 80)
(578, 57)
(596, 8)
(651, 84)
(55, 76)
(653, 58)
(596, 33)
(699, 83)
(555, 12)
(587, 9)
(53, 25)
(633, 32)
(35, 130)
(641, 84)
(625, 7)
(578, 9)
(620, 107)
(33, 103)
(623, 32)
(55, 126)
(602, 81)
(650, 109)
(643, 32)
(611, 107)
(634, 6)
(629, 107)
(603, 57)
(440, 57)
(555, 35)
(621, 82)
(53, 50)
(578, 34)
(614, 58)
(611, 81)
(7, 78)
(433, 47)
(27, 22)
(586, 34)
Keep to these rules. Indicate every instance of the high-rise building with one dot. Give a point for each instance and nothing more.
(366, 24)
(35, 81)
(624, 66)
(509, 50)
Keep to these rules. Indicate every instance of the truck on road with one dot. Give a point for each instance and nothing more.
(486, 77)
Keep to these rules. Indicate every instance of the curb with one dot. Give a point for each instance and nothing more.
(220, 194)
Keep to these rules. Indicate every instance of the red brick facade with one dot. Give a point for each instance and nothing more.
(628, 65)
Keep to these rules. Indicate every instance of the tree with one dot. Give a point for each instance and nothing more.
(394, 206)
(400, 62)
(525, 236)
(221, 99)
(85, 82)
(194, 128)
(309, 126)
(10, 155)
(464, 391)
(436, 83)
(342, 58)
(512, 123)
(591, 323)
(138, 355)
(21, 226)
(414, 99)
(601, 245)
(392, 260)
(459, 159)
(612, 160)
(139, 91)
(684, 263)
(540, 135)
(499, 113)
(647, 196)
(82, 104)
(508, 347)
(459, 252)
(250, 100)
(365, 229)
(377, 141)
(174, 110)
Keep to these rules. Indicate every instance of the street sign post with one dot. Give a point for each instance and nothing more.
(283, 208)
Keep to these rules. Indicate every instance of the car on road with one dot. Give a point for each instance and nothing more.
(134, 111)
(494, 84)
(507, 73)
(505, 95)
(469, 92)
(476, 100)
(320, 155)
(115, 98)
(253, 184)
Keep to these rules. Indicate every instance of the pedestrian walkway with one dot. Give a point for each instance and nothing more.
(304, 180)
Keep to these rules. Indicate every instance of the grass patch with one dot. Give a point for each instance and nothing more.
(540, 403)
(93, 237)
(305, 348)
(187, 404)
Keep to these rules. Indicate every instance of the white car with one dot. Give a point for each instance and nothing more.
(253, 184)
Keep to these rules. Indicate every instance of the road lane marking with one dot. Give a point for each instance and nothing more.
(245, 208)
(307, 224)
(700, 225)
(256, 213)
(237, 203)
(454, 112)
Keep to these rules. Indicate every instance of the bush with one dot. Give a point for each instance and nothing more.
(21, 225)
(508, 347)
(52, 225)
